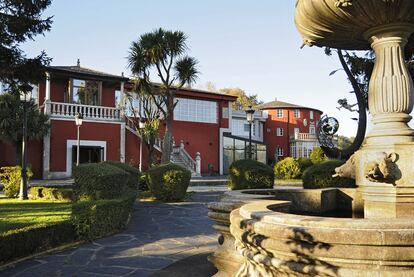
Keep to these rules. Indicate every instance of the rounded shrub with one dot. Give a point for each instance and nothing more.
(134, 173)
(320, 176)
(96, 181)
(168, 182)
(317, 156)
(288, 168)
(250, 174)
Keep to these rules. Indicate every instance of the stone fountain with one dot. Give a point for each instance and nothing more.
(262, 233)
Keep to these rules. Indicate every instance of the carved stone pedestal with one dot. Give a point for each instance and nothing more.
(385, 176)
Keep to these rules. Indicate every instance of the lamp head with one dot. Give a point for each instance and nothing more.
(78, 119)
(25, 92)
(250, 114)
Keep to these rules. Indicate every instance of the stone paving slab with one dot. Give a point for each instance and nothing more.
(160, 234)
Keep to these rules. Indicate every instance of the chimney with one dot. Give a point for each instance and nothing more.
(78, 63)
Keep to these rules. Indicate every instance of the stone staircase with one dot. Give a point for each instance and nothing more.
(181, 157)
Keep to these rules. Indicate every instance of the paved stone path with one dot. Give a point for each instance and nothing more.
(159, 235)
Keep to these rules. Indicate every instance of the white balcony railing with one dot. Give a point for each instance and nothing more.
(304, 136)
(69, 110)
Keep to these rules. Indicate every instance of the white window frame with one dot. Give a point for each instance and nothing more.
(279, 152)
(312, 129)
(195, 110)
(296, 113)
(70, 143)
(279, 132)
(311, 114)
(279, 113)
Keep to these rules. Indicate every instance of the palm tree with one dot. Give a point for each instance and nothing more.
(165, 52)
(11, 121)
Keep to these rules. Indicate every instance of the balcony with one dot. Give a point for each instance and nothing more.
(304, 137)
(69, 110)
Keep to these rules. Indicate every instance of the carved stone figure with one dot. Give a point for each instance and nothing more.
(343, 103)
(346, 170)
(384, 170)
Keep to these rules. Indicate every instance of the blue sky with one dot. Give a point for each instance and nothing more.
(248, 44)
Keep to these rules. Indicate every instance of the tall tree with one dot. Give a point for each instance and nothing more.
(243, 100)
(21, 20)
(147, 113)
(165, 53)
(11, 118)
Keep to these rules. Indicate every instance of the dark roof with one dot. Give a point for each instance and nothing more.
(200, 91)
(279, 104)
(86, 72)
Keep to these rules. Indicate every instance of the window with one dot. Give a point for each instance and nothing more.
(296, 113)
(246, 127)
(279, 113)
(279, 151)
(312, 129)
(279, 132)
(296, 132)
(311, 114)
(85, 92)
(196, 110)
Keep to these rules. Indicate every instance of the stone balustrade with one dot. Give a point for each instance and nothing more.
(69, 110)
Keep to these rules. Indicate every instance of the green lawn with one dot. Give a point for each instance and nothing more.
(15, 214)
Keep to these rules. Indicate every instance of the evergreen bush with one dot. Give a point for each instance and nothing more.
(168, 182)
(96, 181)
(320, 176)
(288, 168)
(95, 219)
(134, 173)
(250, 174)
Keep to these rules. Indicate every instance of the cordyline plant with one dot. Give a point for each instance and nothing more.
(163, 52)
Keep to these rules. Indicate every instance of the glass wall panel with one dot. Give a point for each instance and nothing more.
(237, 149)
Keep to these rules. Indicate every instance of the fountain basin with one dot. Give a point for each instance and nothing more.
(264, 238)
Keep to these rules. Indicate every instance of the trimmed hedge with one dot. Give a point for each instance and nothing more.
(134, 174)
(95, 219)
(36, 238)
(11, 177)
(250, 174)
(96, 181)
(168, 182)
(304, 163)
(51, 193)
(320, 176)
(288, 168)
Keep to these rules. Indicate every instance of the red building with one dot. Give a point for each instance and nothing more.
(208, 134)
(200, 120)
(290, 129)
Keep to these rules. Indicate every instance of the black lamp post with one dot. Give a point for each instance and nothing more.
(78, 122)
(250, 117)
(25, 97)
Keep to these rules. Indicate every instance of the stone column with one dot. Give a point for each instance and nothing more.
(384, 166)
(198, 164)
(390, 98)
